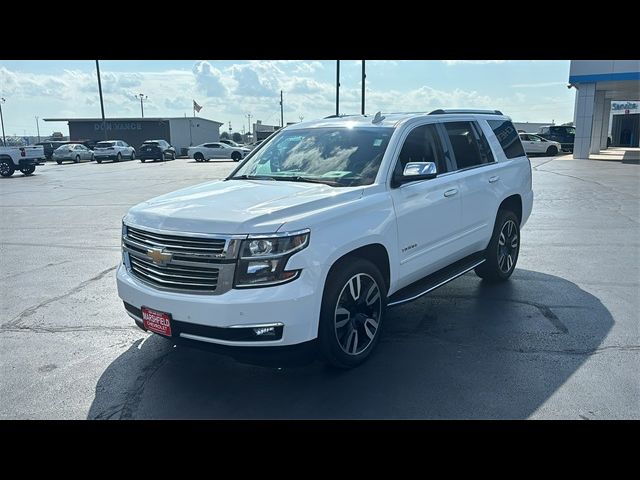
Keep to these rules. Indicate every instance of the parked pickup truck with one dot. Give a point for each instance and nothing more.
(324, 227)
(24, 159)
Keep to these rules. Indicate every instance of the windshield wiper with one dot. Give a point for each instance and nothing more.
(298, 178)
(251, 177)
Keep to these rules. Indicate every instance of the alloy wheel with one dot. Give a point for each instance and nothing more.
(357, 314)
(508, 244)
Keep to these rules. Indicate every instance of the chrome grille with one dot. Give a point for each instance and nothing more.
(189, 263)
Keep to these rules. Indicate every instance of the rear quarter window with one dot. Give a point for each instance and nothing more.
(508, 137)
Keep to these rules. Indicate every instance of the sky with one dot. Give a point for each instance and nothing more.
(528, 91)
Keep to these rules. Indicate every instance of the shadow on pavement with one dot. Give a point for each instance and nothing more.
(469, 350)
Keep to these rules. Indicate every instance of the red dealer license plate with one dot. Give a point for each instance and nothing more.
(158, 322)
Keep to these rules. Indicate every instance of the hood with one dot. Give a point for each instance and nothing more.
(237, 206)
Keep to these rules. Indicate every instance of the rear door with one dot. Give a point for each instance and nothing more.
(477, 173)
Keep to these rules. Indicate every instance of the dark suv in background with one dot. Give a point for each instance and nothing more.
(563, 134)
(156, 150)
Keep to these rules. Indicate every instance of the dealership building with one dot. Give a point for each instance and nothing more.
(598, 84)
(181, 132)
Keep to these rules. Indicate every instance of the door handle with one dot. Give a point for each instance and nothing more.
(494, 179)
(451, 192)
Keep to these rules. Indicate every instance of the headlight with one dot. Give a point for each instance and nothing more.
(263, 259)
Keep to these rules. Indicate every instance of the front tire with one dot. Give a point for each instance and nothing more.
(353, 306)
(133, 155)
(552, 151)
(501, 255)
(99, 161)
(59, 162)
(118, 158)
(142, 160)
(77, 160)
(7, 168)
(28, 170)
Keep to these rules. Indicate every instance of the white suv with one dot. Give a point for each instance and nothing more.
(115, 150)
(324, 227)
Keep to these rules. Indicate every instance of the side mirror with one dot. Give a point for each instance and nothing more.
(415, 171)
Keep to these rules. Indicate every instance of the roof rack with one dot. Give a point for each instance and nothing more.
(345, 115)
(440, 111)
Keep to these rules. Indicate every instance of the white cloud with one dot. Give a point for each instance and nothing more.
(209, 80)
(538, 85)
(472, 62)
(308, 67)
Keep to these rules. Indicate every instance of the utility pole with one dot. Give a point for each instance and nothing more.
(38, 127)
(281, 111)
(363, 78)
(229, 127)
(337, 87)
(301, 117)
(104, 124)
(4, 140)
(142, 97)
(249, 120)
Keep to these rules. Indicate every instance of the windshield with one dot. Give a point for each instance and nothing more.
(65, 147)
(151, 143)
(336, 156)
(105, 144)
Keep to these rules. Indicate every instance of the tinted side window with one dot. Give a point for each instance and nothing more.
(508, 138)
(469, 145)
(421, 145)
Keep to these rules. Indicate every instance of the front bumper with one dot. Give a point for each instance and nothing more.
(295, 305)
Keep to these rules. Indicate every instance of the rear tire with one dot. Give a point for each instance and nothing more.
(552, 151)
(99, 161)
(77, 160)
(198, 157)
(133, 155)
(142, 160)
(59, 162)
(353, 308)
(28, 170)
(6, 168)
(501, 255)
(118, 158)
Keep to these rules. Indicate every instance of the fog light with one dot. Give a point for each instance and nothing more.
(265, 331)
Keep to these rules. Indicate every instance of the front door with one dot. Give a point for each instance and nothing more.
(428, 211)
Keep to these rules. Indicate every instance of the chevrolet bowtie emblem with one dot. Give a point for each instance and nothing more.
(158, 256)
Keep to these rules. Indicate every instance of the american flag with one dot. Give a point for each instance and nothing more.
(196, 107)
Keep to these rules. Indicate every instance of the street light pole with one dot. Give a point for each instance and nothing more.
(363, 78)
(142, 96)
(104, 124)
(4, 140)
(281, 111)
(38, 127)
(337, 88)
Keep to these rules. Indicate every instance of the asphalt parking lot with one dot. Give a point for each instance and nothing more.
(561, 339)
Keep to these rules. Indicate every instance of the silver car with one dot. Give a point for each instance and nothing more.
(74, 152)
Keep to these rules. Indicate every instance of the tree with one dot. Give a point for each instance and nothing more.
(237, 137)
(224, 136)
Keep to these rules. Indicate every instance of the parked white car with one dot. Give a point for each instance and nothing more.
(217, 151)
(535, 144)
(317, 233)
(115, 150)
(24, 159)
(74, 152)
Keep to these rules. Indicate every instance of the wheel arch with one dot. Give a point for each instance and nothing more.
(514, 204)
(376, 253)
